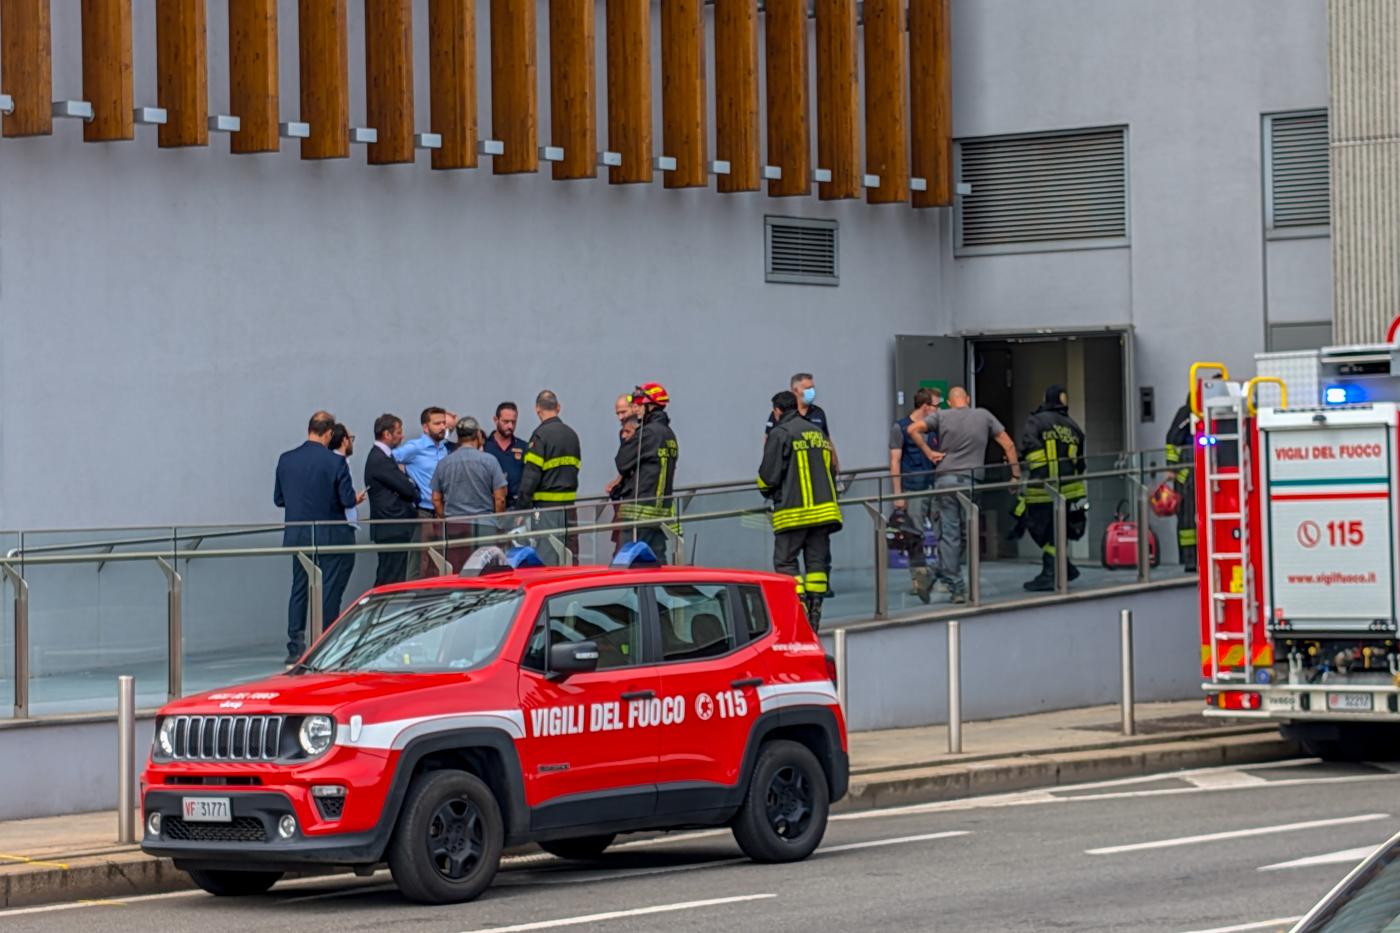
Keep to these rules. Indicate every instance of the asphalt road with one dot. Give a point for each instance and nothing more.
(1214, 849)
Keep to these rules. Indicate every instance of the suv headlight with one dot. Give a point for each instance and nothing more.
(165, 736)
(316, 734)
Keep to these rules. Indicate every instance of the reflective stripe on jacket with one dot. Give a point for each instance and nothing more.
(551, 465)
(796, 475)
(646, 462)
(1052, 448)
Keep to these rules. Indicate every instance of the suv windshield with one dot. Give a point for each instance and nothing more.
(421, 631)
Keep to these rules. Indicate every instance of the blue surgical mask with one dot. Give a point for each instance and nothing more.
(809, 394)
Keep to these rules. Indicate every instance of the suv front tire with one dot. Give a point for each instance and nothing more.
(447, 844)
(784, 814)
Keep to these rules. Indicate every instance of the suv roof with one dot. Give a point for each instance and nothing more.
(527, 578)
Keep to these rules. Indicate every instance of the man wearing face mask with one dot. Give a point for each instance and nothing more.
(803, 387)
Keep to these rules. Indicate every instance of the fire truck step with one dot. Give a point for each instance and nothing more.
(1227, 596)
(1234, 556)
(1222, 516)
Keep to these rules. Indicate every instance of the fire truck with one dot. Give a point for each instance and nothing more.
(1296, 497)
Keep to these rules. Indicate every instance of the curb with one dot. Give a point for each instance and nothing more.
(130, 873)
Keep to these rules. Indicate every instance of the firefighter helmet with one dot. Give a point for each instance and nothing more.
(653, 392)
(1165, 499)
(900, 533)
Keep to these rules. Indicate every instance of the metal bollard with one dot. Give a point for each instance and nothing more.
(126, 759)
(838, 647)
(1125, 637)
(954, 689)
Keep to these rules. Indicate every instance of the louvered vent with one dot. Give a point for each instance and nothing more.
(1044, 190)
(799, 251)
(1298, 186)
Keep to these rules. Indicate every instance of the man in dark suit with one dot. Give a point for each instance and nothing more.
(393, 499)
(314, 485)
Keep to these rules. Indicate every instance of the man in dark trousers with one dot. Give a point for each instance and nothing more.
(313, 485)
(393, 499)
(796, 475)
(646, 463)
(1181, 457)
(1052, 448)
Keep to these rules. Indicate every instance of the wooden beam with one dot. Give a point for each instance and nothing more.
(736, 93)
(838, 95)
(452, 79)
(514, 105)
(789, 126)
(182, 73)
(573, 102)
(26, 66)
(323, 37)
(886, 151)
(107, 78)
(683, 129)
(629, 90)
(252, 75)
(931, 100)
(389, 79)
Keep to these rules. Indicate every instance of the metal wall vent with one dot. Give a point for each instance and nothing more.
(800, 251)
(1296, 186)
(1046, 191)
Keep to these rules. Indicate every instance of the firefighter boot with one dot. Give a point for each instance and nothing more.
(1045, 581)
(814, 612)
(1188, 558)
(1071, 571)
(923, 583)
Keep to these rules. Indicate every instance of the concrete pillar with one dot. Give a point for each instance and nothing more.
(1364, 129)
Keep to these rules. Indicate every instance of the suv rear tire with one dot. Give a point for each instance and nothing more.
(447, 844)
(784, 814)
(581, 848)
(233, 883)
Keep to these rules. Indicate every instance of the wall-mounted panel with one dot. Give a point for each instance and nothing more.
(26, 66)
(886, 149)
(629, 89)
(107, 78)
(736, 93)
(514, 103)
(389, 79)
(182, 73)
(683, 130)
(324, 50)
(838, 96)
(253, 75)
(789, 123)
(931, 101)
(452, 79)
(573, 101)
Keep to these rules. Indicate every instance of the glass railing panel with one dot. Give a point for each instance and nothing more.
(1105, 553)
(8, 541)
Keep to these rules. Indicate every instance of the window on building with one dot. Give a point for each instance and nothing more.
(1297, 190)
(801, 251)
(1046, 191)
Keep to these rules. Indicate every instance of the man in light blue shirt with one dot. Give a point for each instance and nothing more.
(419, 458)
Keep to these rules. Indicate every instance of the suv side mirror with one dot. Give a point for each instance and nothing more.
(575, 657)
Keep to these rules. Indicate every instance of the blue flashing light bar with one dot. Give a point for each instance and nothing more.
(519, 557)
(1207, 440)
(1343, 395)
(635, 554)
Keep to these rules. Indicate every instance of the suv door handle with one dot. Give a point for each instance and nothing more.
(749, 682)
(639, 695)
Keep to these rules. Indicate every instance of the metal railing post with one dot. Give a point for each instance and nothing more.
(1144, 541)
(126, 759)
(175, 630)
(677, 543)
(954, 689)
(882, 564)
(1125, 641)
(21, 585)
(313, 597)
(973, 519)
(1061, 542)
(440, 562)
(838, 641)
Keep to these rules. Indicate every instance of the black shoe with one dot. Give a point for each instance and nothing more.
(923, 583)
(292, 658)
(1044, 581)
(1071, 571)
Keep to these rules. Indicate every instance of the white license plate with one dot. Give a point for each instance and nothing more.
(206, 810)
(1281, 701)
(1349, 701)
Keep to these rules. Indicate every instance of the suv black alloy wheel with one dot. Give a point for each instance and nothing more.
(447, 844)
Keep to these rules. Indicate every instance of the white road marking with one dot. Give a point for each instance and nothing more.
(1238, 834)
(621, 914)
(1225, 779)
(1279, 923)
(1346, 856)
(876, 843)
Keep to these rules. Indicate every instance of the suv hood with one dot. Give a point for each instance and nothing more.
(314, 693)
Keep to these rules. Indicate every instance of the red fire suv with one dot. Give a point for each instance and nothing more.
(439, 721)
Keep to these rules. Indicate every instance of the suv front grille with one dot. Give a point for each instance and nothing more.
(227, 738)
(241, 829)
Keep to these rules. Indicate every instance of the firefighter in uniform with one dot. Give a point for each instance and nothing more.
(796, 475)
(549, 481)
(1052, 447)
(646, 462)
(1180, 454)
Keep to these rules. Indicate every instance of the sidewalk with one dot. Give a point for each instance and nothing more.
(76, 857)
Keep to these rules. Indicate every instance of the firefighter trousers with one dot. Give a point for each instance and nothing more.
(1186, 524)
(813, 547)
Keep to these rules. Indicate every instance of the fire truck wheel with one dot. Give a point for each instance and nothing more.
(447, 844)
(580, 849)
(784, 814)
(234, 883)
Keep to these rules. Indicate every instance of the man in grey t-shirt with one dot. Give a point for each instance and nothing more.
(468, 485)
(962, 432)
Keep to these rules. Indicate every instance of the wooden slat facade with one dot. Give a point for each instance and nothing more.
(931, 101)
(789, 123)
(736, 94)
(838, 90)
(26, 66)
(389, 80)
(324, 53)
(452, 79)
(514, 104)
(683, 126)
(182, 72)
(886, 149)
(629, 90)
(573, 94)
(107, 77)
(253, 75)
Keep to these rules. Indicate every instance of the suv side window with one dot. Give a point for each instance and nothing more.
(695, 621)
(755, 611)
(610, 617)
